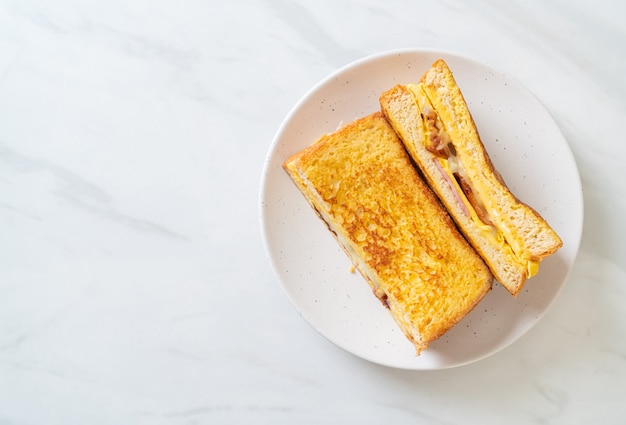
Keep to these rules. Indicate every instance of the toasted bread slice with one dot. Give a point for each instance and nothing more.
(435, 124)
(361, 182)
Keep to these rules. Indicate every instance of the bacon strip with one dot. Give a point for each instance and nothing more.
(471, 198)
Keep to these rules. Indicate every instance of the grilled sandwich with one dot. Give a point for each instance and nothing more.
(363, 185)
(434, 123)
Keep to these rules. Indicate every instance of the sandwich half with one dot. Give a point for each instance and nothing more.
(433, 121)
(363, 185)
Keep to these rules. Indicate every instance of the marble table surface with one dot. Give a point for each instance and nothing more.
(134, 283)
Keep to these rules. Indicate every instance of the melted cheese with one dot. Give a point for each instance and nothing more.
(452, 165)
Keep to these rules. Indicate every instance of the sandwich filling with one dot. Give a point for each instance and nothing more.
(438, 142)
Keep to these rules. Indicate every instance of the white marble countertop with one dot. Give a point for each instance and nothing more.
(134, 285)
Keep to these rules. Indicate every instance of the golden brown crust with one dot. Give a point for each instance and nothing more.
(363, 184)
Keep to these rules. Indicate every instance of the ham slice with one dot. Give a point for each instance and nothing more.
(457, 197)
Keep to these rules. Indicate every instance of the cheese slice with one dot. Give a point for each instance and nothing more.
(450, 164)
(491, 232)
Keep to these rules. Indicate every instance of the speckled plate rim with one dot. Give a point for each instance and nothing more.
(525, 145)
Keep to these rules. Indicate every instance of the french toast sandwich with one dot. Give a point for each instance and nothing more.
(362, 183)
(434, 122)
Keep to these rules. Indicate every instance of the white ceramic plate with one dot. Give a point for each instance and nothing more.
(525, 145)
